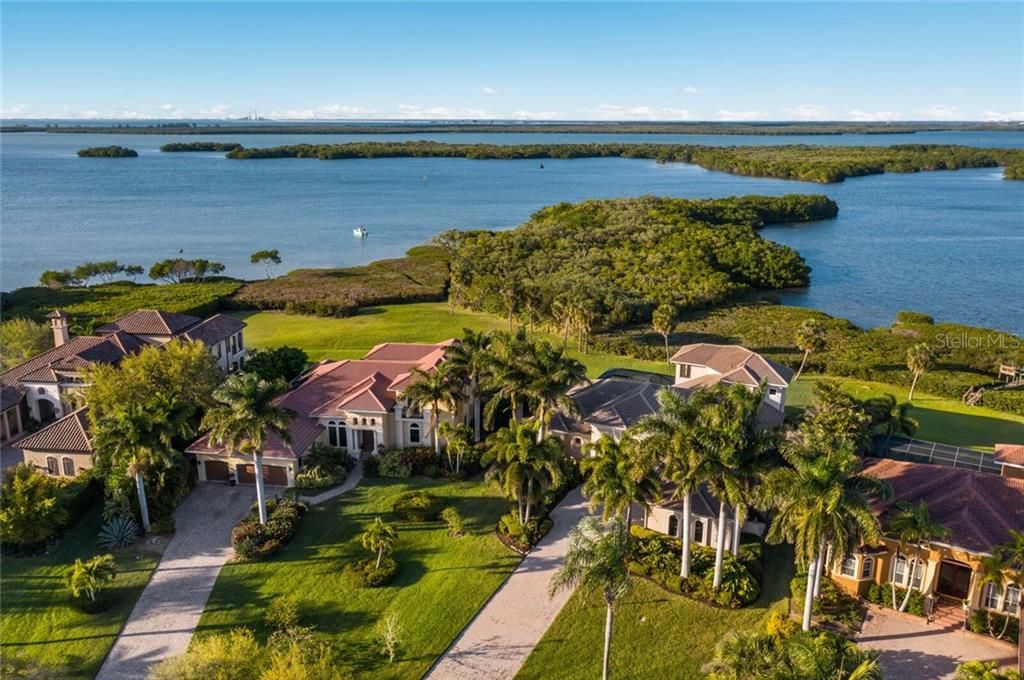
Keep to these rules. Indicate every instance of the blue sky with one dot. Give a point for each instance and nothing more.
(687, 61)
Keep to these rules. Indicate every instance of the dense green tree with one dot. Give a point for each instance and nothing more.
(59, 279)
(177, 270)
(551, 373)
(22, 339)
(616, 477)
(524, 467)
(31, 511)
(280, 363)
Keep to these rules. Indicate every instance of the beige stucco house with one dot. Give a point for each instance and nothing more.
(356, 405)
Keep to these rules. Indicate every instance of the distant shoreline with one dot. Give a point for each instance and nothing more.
(567, 127)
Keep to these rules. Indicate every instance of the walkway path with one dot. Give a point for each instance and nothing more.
(168, 611)
(497, 641)
(911, 649)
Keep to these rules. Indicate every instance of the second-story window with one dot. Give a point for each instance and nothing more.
(684, 371)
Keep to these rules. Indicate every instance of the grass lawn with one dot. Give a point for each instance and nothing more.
(941, 420)
(351, 337)
(655, 634)
(38, 619)
(442, 581)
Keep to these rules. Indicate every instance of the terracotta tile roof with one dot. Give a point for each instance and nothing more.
(150, 322)
(978, 508)
(1010, 454)
(213, 330)
(72, 356)
(329, 388)
(736, 364)
(69, 434)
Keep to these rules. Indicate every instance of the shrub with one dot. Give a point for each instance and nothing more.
(365, 574)
(391, 464)
(254, 541)
(214, 657)
(523, 536)
(281, 363)
(418, 506)
(323, 466)
(283, 613)
(985, 622)
(832, 604)
(31, 512)
(881, 594)
(371, 467)
(456, 523)
(86, 579)
(908, 317)
(119, 532)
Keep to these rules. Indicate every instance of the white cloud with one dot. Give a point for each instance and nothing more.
(439, 112)
(727, 115)
(868, 116)
(690, 89)
(615, 112)
(16, 111)
(1000, 116)
(217, 111)
(540, 115)
(807, 112)
(941, 112)
(488, 90)
(327, 111)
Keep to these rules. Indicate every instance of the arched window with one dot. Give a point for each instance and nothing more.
(336, 435)
(899, 570)
(414, 434)
(673, 525)
(51, 465)
(364, 421)
(41, 390)
(698, 532)
(867, 569)
(373, 421)
(69, 467)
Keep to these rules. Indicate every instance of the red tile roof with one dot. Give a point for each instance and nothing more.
(150, 322)
(1010, 454)
(69, 434)
(978, 508)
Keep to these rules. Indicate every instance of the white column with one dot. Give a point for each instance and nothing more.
(353, 441)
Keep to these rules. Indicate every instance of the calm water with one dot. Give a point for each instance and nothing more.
(945, 243)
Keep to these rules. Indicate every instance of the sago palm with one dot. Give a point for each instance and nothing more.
(246, 412)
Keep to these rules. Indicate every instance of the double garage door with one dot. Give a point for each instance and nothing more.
(273, 475)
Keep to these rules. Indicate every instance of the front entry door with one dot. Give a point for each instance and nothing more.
(366, 440)
(954, 580)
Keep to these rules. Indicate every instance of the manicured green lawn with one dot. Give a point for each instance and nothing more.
(941, 420)
(442, 581)
(350, 338)
(655, 635)
(38, 620)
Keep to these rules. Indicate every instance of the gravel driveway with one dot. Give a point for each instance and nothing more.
(498, 640)
(169, 608)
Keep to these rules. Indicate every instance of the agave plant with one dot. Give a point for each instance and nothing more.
(118, 533)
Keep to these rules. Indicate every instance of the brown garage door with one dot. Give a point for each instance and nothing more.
(275, 475)
(216, 471)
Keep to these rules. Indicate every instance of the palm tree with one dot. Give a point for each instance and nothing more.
(890, 418)
(508, 376)
(470, 359)
(90, 576)
(616, 478)
(245, 414)
(832, 656)
(747, 655)
(596, 561)
(1013, 552)
(996, 569)
(667, 440)
(914, 527)
(984, 670)
(435, 388)
(458, 440)
(920, 359)
(523, 466)
(663, 321)
(551, 374)
(817, 501)
(810, 337)
(379, 538)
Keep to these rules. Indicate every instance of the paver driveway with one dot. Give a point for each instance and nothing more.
(914, 650)
(498, 640)
(169, 608)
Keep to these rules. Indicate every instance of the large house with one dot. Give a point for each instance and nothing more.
(356, 405)
(978, 508)
(47, 389)
(618, 399)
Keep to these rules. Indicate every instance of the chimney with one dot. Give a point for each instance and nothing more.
(59, 325)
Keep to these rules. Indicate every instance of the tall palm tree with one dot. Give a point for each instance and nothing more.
(810, 337)
(616, 478)
(524, 467)
(470, 359)
(890, 418)
(379, 538)
(666, 438)
(434, 389)
(596, 562)
(508, 376)
(920, 360)
(818, 501)
(1013, 552)
(914, 527)
(996, 570)
(246, 412)
(551, 373)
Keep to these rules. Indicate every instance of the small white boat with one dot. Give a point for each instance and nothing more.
(360, 232)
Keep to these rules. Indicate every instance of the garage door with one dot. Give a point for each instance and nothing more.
(216, 471)
(274, 475)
